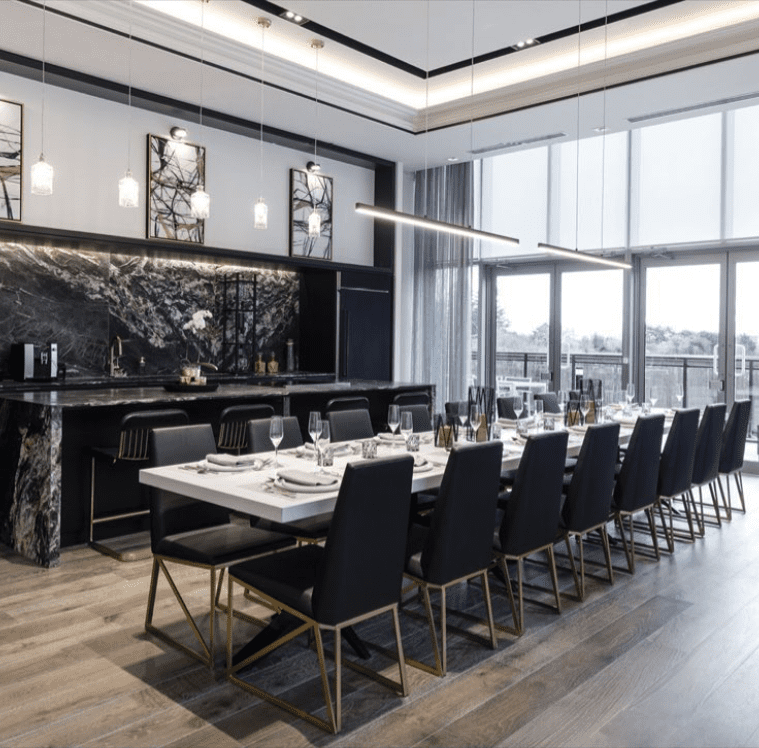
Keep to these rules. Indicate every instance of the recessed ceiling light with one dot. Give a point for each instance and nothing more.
(525, 43)
(453, 158)
(293, 17)
(600, 129)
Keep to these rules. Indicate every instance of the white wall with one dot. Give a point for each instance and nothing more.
(86, 142)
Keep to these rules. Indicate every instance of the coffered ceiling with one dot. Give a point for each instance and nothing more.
(417, 81)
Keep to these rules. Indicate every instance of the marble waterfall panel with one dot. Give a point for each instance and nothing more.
(30, 480)
(81, 299)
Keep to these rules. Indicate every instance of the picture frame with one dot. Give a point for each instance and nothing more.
(309, 191)
(175, 169)
(11, 159)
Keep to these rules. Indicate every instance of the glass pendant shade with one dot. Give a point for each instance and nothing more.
(42, 177)
(261, 214)
(314, 223)
(200, 203)
(129, 191)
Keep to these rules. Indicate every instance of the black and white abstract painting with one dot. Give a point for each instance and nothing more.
(174, 172)
(10, 160)
(310, 192)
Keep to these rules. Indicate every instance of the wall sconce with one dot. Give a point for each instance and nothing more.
(178, 133)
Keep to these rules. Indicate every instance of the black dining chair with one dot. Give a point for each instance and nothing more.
(357, 574)
(412, 398)
(134, 432)
(530, 519)
(732, 453)
(706, 462)
(456, 546)
(506, 407)
(675, 472)
(636, 488)
(258, 435)
(420, 416)
(349, 425)
(195, 533)
(588, 497)
(550, 401)
(347, 403)
(233, 425)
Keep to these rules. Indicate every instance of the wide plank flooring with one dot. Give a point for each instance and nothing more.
(667, 657)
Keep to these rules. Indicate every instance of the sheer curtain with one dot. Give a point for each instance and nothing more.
(441, 350)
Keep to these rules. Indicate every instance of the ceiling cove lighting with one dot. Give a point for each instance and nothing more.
(129, 190)
(42, 172)
(260, 209)
(200, 200)
(396, 216)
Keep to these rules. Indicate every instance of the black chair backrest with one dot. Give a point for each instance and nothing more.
(420, 415)
(347, 403)
(461, 532)
(506, 407)
(452, 410)
(485, 399)
(550, 401)
(233, 422)
(639, 474)
(589, 493)
(412, 398)
(258, 435)
(346, 425)
(362, 566)
(734, 437)
(676, 463)
(171, 513)
(531, 518)
(708, 444)
(135, 428)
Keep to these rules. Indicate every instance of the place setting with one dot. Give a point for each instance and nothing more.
(227, 463)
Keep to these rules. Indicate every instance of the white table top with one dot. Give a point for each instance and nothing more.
(250, 491)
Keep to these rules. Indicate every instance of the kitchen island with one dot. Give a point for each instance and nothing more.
(45, 437)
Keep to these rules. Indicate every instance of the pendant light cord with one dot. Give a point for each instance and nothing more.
(42, 117)
(577, 132)
(261, 118)
(603, 124)
(316, 100)
(202, 56)
(426, 111)
(471, 91)
(129, 92)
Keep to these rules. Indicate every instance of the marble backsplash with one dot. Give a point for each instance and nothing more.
(82, 298)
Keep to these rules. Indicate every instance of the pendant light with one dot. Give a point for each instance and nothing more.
(42, 172)
(314, 219)
(200, 200)
(576, 254)
(261, 210)
(129, 190)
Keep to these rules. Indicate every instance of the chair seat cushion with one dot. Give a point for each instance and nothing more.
(288, 577)
(221, 544)
(312, 528)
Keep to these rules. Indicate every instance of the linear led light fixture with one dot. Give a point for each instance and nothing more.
(575, 254)
(397, 216)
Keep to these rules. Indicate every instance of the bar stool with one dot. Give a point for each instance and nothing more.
(233, 425)
(134, 431)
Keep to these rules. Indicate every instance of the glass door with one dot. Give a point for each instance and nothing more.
(744, 374)
(522, 322)
(684, 345)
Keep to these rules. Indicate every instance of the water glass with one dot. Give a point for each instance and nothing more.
(276, 434)
(538, 408)
(393, 418)
(314, 429)
(407, 425)
(412, 443)
(369, 449)
(323, 447)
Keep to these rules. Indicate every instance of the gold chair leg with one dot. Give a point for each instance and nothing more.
(338, 680)
(607, 552)
(443, 630)
(520, 586)
(489, 608)
(654, 539)
(399, 646)
(554, 577)
(578, 585)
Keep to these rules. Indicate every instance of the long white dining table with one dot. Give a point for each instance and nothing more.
(252, 491)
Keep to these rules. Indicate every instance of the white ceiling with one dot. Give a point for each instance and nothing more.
(373, 107)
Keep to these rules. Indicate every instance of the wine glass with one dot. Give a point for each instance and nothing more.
(518, 406)
(561, 399)
(652, 398)
(630, 393)
(679, 394)
(538, 406)
(323, 443)
(314, 422)
(474, 418)
(393, 418)
(407, 425)
(276, 434)
(584, 407)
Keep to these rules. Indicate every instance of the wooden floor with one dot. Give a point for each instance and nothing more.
(668, 657)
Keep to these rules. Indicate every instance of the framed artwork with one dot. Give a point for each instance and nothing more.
(310, 192)
(11, 163)
(175, 169)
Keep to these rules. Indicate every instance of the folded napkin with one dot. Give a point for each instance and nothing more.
(227, 460)
(385, 436)
(302, 478)
(342, 448)
(512, 423)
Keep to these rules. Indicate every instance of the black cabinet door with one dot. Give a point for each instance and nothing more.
(366, 318)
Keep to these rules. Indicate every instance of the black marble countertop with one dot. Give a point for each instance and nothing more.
(100, 397)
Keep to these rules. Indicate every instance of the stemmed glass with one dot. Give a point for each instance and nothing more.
(630, 393)
(276, 434)
(323, 444)
(314, 429)
(463, 415)
(407, 425)
(584, 407)
(538, 405)
(679, 394)
(393, 418)
(652, 398)
(474, 419)
(518, 406)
